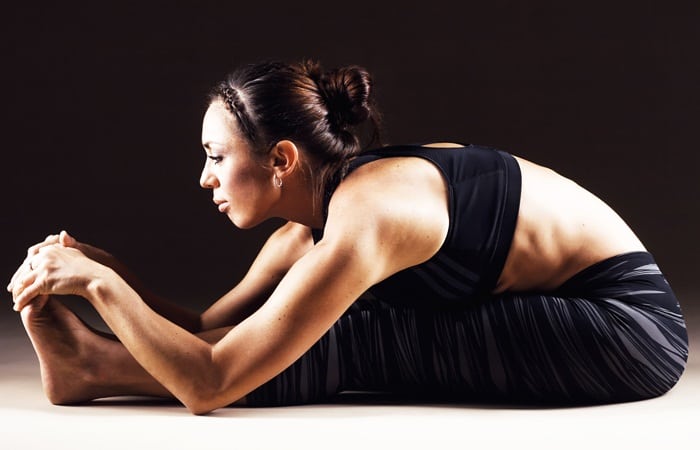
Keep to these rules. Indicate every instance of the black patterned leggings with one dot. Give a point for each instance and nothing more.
(612, 333)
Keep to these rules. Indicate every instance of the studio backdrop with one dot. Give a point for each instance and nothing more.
(103, 107)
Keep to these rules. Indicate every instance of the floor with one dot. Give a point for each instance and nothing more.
(28, 421)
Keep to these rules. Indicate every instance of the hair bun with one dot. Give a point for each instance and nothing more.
(346, 93)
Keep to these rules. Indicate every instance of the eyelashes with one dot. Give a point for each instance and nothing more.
(216, 159)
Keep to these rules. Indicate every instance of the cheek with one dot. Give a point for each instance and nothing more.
(250, 200)
(244, 184)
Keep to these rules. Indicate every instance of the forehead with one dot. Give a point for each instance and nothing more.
(218, 124)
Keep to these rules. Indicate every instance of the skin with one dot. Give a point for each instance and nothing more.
(295, 290)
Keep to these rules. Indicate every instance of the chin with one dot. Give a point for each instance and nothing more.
(244, 223)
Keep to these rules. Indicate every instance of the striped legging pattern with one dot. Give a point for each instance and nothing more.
(612, 333)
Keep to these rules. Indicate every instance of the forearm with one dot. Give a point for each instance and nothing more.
(187, 319)
(286, 245)
(177, 359)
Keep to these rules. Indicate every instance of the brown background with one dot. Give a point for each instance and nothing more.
(103, 105)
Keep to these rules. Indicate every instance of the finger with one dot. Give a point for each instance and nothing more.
(21, 304)
(35, 305)
(29, 296)
(14, 276)
(27, 288)
(28, 293)
(22, 282)
(21, 270)
(50, 240)
(66, 239)
(33, 250)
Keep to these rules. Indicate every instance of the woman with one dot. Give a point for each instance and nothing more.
(490, 277)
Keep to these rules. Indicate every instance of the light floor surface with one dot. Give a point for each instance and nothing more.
(28, 421)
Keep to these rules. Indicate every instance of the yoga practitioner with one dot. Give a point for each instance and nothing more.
(459, 272)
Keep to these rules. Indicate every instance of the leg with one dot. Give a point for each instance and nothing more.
(516, 348)
(614, 333)
(79, 364)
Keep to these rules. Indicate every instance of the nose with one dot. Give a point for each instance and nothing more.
(207, 179)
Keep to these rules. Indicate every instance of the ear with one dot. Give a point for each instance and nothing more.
(284, 158)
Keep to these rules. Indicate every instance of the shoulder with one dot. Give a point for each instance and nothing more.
(392, 208)
(288, 243)
(293, 231)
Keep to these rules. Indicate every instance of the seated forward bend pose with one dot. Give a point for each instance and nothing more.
(491, 278)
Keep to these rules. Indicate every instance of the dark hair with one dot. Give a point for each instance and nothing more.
(331, 114)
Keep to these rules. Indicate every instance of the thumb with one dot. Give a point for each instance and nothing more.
(66, 239)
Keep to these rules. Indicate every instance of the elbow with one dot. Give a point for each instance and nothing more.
(206, 394)
(202, 403)
(199, 408)
(211, 388)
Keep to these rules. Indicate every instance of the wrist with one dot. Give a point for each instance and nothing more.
(100, 284)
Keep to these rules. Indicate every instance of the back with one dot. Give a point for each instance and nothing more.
(484, 191)
(562, 228)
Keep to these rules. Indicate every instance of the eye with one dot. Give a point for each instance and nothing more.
(216, 159)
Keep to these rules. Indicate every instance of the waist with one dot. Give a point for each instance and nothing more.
(505, 230)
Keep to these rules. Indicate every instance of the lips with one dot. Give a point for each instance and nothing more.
(221, 204)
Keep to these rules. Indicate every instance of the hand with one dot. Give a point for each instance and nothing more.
(53, 269)
(66, 240)
(33, 250)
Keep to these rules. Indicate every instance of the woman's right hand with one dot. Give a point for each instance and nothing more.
(183, 317)
(65, 239)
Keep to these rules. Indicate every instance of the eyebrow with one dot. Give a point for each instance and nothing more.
(207, 144)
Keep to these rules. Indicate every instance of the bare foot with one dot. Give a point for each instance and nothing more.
(69, 352)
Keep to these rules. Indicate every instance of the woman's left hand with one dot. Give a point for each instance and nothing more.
(54, 269)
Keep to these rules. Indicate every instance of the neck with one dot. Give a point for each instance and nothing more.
(298, 204)
(311, 220)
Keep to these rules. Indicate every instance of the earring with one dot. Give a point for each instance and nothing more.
(277, 181)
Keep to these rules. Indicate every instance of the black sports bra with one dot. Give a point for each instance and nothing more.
(484, 198)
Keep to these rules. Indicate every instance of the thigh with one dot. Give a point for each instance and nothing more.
(511, 348)
(528, 347)
(574, 349)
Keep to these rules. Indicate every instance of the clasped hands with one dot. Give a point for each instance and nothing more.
(55, 266)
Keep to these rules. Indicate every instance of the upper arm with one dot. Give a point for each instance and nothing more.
(282, 249)
(310, 298)
(365, 241)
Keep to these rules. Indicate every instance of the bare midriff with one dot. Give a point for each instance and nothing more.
(561, 229)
